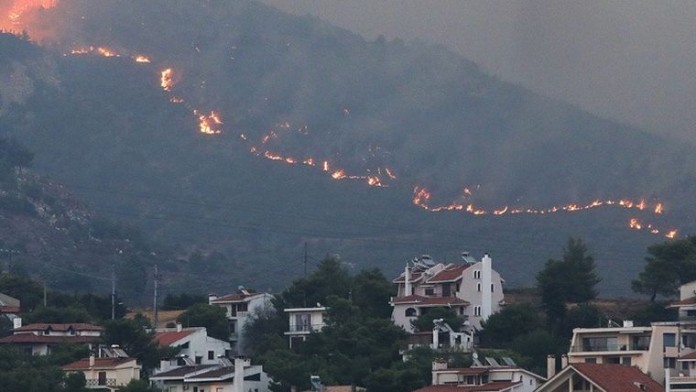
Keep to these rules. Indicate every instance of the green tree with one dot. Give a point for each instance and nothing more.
(132, 337)
(511, 322)
(572, 279)
(424, 322)
(669, 265)
(211, 317)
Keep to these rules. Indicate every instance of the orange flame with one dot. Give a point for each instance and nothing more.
(167, 79)
(209, 124)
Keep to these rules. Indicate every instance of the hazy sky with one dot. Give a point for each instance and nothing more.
(629, 60)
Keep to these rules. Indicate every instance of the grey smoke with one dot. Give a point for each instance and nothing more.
(630, 61)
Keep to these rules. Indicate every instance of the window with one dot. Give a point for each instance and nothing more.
(492, 288)
(242, 307)
(429, 291)
(233, 327)
(446, 290)
(670, 363)
(626, 361)
(211, 355)
(199, 359)
(477, 274)
(669, 340)
(477, 310)
(478, 287)
(590, 360)
(411, 312)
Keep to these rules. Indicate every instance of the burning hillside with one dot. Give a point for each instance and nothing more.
(382, 114)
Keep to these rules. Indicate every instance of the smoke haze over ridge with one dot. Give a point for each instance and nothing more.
(630, 61)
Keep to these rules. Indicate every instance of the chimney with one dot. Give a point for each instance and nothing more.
(211, 297)
(550, 366)
(239, 363)
(91, 360)
(564, 361)
(17, 322)
(179, 327)
(407, 286)
(486, 291)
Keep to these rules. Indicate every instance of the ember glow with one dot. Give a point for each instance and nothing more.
(167, 79)
(209, 124)
(14, 12)
(421, 198)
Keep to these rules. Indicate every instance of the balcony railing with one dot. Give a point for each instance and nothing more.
(306, 327)
(95, 382)
(609, 348)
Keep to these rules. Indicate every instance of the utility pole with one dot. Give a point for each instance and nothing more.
(156, 315)
(305, 259)
(113, 292)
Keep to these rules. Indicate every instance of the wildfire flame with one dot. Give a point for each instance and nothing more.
(209, 124)
(167, 79)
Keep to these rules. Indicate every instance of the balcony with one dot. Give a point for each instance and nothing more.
(97, 383)
(305, 328)
(595, 348)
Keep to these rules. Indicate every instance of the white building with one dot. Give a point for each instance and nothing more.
(194, 343)
(238, 306)
(225, 376)
(40, 338)
(304, 321)
(106, 374)
(491, 377)
(655, 350)
(473, 289)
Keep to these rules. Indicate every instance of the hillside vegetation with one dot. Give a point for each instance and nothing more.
(105, 127)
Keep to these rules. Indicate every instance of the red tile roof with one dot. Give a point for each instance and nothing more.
(9, 309)
(690, 356)
(419, 300)
(491, 386)
(415, 276)
(451, 273)
(688, 301)
(237, 296)
(30, 338)
(59, 327)
(617, 378)
(101, 363)
(165, 339)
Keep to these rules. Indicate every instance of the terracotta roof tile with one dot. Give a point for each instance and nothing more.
(690, 356)
(451, 273)
(688, 301)
(30, 338)
(101, 363)
(239, 295)
(617, 378)
(165, 339)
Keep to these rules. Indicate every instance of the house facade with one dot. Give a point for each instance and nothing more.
(39, 339)
(303, 322)
(655, 350)
(238, 306)
(194, 343)
(584, 377)
(225, 376)
(472, 288)
(108, 373)
(490, 377)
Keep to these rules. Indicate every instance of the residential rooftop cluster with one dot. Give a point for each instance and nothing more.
(616, 357)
